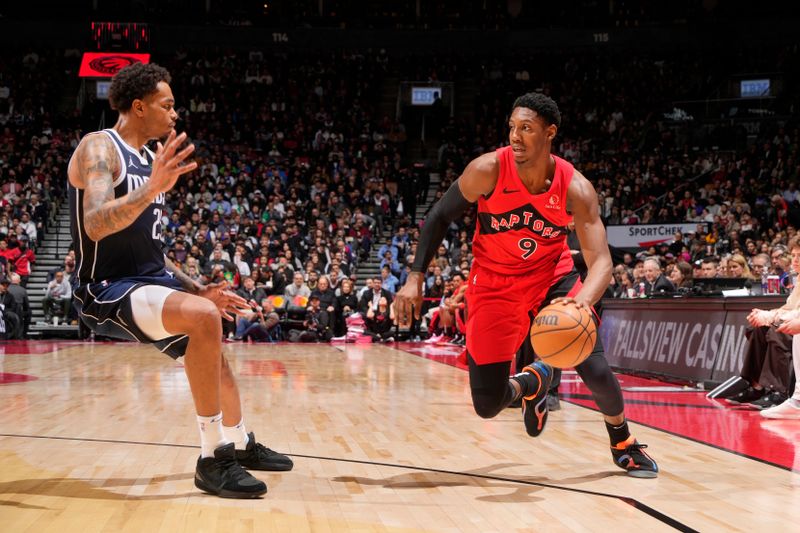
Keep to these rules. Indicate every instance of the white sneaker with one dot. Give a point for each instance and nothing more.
(788, 410)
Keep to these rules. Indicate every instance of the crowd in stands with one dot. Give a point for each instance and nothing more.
(301, 179)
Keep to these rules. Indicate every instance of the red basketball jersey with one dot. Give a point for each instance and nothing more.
(518, 232)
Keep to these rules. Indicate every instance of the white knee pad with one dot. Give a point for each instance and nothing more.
(147, 303)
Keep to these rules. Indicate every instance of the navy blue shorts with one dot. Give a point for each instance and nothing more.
(105, 308)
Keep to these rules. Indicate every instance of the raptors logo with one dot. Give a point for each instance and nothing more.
(105, 65)
(553, 202)
(111, 64)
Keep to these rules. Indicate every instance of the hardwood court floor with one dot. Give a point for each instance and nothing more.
(104, 439)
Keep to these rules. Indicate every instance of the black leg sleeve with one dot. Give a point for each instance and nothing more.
(491, 392)
(597, 375)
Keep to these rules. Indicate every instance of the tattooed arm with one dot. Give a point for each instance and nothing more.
(97, 162)
(187, 282)
(93, 167)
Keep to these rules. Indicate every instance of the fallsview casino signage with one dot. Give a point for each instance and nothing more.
(700, 341)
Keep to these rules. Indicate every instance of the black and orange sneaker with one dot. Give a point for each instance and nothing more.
(630, 456)
(258, 457)
(534, 407)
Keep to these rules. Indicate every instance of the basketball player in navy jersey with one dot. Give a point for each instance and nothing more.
(129, 290)
(526, 199)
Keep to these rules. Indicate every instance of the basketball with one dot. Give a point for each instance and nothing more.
(563, 335)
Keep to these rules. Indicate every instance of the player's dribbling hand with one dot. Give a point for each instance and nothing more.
(566, 300)
(168, 164)
(408, 301)
(228, 303)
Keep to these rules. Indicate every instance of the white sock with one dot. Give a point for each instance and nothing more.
(237, 434)
(211, 436)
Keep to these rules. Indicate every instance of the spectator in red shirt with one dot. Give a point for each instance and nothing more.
(23, 261)
(9, 255)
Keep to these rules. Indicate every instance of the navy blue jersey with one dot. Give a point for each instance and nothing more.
(135, 251)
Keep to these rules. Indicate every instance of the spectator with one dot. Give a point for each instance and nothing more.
(389, 281)
(326, 295)
(68, 268)
(768, 352)
(680, 274)
(709, 267)
(388, 247)
(738, 267)
(24, 260)
(346, 305)
(298, 287)
(57, 298)
(219, 269)
(760, 266)
(390, 262)
(655, 281)
(249, 291)
(261, 325)
(379, 322)
(11, 311)
(623, 283)
(316, 326)
(372, 296)
(20, 295)
(28, 227)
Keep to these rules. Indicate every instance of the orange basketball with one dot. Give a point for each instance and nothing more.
(563, 335)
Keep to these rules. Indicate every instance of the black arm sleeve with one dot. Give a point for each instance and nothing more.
(443, 213)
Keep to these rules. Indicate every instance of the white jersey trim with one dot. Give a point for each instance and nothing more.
(123, 166)
(131, 149)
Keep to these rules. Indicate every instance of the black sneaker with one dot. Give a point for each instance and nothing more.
(222, 476)
(748, 395)
(258, 457)
(769, 400)
(629, 456)
(553, 403)
(534, 407)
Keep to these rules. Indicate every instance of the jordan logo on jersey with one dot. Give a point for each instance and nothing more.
(523, 217)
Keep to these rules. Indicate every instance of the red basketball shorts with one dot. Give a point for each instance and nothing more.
(498, 308)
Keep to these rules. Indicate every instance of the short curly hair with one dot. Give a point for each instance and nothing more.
(135, 81)
(544, 106)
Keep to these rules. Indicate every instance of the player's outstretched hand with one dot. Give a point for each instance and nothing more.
(227, 302)
(408, 300)
(169, 163)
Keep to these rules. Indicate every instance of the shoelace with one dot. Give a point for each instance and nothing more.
(263, 451)
(232, 469)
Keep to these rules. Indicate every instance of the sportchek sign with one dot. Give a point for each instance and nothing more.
(646, 235)
(106, 64)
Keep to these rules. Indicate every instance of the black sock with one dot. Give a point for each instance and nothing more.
(619, 433)
(529, 384)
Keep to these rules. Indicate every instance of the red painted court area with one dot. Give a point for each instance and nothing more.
(35, 347)
(685, 413)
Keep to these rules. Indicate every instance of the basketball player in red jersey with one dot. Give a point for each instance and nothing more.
(526, 198)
